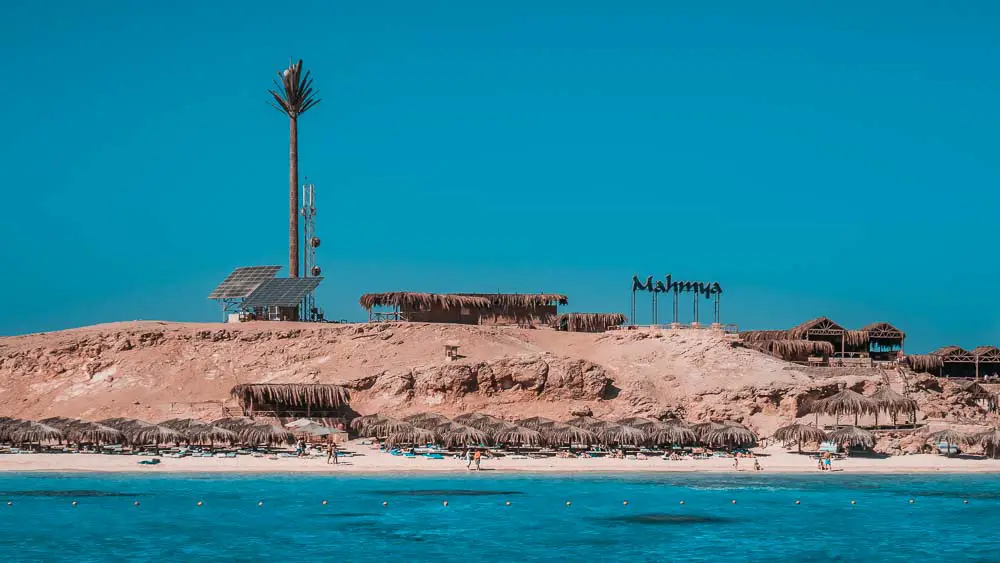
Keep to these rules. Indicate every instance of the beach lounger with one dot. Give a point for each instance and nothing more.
(434, 456)
(154, 461)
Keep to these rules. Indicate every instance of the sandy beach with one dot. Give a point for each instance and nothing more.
(773, 460)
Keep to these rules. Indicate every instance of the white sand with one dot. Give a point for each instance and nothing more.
(775, 460)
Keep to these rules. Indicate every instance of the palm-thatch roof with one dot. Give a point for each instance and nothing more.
(988, 438)
(446, 301)
(954, 354)
(199, 432)
(819, 325)
(83, 431)
(139, 432)
(986, 354)
(845, 402)
(536, 422)
(358, 424)
(853, 436)
(642, 423)
(588, 422)
(796, 433)
(883, 331)
(588, 322)
(423, 301)
(457, 435)
(562, 433)
(703, 429)
(486, 423)
(262, 434)
(760, 335)
(663, 434)
(794, 350)
(927, 363)
(7, 424)
(893, 403)
(520, 436)
(384, 427)
(321, 396)
(976, 391)
(428, 420)
(731, 435)
(947, 436)
(621, 435)
(29, 431)
(410, 435)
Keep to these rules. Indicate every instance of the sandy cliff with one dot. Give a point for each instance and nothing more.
(156, 370)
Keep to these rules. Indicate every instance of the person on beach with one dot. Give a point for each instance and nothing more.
(827, 463)
(329, 453)
(477, 459)
(468, 459)
(756, 465)
(736, 462)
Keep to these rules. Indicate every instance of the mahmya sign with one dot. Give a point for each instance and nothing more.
(710, 290)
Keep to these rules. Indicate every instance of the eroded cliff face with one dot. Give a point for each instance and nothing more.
(156, 370)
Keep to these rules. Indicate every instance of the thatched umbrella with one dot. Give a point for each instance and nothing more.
(428, 420)
(703, 429)
(139, 432)
(846, 402)
(80, 431)
(893, 403)
(519, 436)
(988, 439)
(384, 427)
(263, 434)
(30, 432)
(621, 435)
(7, 425)
(358, 424)
(853, 436)
(731, 435)
(948, 436)
(561, 433)
(536, 422)
(199, 432)
(588, 422)
(671, 435)
(799, 433)
(411, 435)
(486, 423)
(460, 435)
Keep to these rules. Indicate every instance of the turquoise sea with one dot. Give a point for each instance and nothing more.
(292, 523)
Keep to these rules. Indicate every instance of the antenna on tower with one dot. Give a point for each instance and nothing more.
(311, 242)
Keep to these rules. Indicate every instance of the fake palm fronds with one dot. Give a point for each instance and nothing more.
(852, 436)
(294, 95)
(820, 323)
(322, 396)
(83, 431)
(263, 434)
(793, 350)
(519, 436)
(731, 435)
(988, 439)
(588, 422)
(926, 363)
(751, 336)
(703, 429)
(358, 424)
(385, 427)
(893, 403)
(7, 425)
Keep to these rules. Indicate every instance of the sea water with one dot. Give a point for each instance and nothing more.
(648, 517)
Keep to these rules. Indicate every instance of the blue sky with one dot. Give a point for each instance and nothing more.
(833, 160)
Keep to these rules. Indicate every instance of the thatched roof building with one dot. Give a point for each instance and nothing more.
(291, 399)
(948, 361)
(588, 322)
(881, 341)
(524, 309)
(794, 350)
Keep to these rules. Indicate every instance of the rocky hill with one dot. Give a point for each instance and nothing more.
(158, 370)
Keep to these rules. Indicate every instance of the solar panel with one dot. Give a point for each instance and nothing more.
(281, 292)
(242, 281)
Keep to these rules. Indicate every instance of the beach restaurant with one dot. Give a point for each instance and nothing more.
(819, 340)
(956, 362)
(521, 309)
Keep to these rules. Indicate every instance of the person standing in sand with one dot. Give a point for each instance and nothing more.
(736, 462)
(477, 459)
(468, 459)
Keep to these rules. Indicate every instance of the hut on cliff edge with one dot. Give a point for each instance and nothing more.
(521, 309)
(876, 342)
